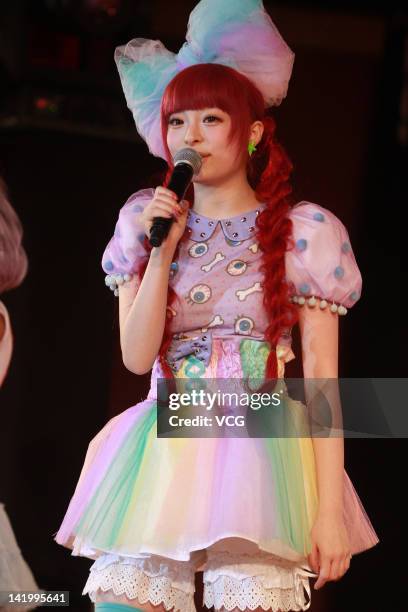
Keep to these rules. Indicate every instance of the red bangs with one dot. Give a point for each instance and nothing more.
(214, 85)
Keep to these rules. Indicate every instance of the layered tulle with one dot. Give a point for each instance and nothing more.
(170, 496)
(235, 33)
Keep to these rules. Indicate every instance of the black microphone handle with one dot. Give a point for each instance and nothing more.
(179, 182)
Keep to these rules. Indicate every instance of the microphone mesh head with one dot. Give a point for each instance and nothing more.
(188, 156)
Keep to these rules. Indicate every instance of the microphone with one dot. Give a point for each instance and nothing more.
(187, 163)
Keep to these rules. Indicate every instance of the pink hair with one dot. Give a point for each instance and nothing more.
(13, 259)
(268, 171)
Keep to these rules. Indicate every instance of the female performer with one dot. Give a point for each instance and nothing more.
(241, 265)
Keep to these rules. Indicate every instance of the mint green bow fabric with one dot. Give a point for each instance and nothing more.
(235, 33)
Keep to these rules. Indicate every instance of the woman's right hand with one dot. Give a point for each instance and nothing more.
(164, 204)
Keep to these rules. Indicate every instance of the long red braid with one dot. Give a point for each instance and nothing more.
(268, 172)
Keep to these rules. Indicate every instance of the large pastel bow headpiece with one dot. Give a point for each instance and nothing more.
(236, 33)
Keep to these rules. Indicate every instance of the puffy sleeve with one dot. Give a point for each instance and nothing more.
(125, 249)
(321, 269)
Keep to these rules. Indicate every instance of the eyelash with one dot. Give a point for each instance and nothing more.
(206, 117)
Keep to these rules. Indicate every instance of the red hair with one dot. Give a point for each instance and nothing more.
(268, 171)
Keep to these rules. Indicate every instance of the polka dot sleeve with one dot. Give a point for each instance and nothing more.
(125, 249)
(321, 269)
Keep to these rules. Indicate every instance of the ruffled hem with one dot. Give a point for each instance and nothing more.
(153, 580)
(249, 593)
(267, 581)
(84, 548)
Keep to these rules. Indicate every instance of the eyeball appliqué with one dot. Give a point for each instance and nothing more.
(199, 294)
(236, 267)
(244, 325)
(198, 250)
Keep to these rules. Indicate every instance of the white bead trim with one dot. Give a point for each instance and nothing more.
(312, 301)
(114, 280)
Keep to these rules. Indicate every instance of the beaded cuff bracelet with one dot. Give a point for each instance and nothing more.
(114, 280)
(312, 301)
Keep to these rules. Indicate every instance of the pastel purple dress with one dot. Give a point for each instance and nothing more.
(143, 495)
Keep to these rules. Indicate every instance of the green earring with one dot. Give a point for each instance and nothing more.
(251, 147)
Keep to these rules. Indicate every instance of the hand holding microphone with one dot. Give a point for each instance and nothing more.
(187, 163)
(164, 205)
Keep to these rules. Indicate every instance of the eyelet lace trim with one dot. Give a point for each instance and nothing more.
(269, 582)
(230, 581)
(249, 593)
(145, 579)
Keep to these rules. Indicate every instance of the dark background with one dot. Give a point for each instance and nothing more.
(71, 156)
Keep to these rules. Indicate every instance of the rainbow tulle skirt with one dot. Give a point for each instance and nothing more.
(138, 493)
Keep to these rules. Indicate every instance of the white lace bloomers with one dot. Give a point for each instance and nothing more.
(231, 580)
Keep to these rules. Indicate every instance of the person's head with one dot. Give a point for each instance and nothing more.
(215, 110)
(13, 259)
